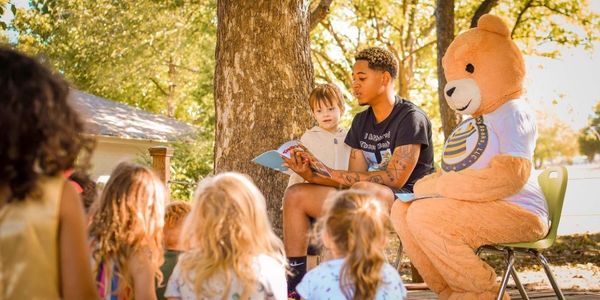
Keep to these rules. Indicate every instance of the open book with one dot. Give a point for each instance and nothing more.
(409, 197)
(272, 158)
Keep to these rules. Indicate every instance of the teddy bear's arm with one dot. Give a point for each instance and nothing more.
(505, 176)
(426, 185)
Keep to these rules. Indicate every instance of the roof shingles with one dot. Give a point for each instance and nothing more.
(108, 118)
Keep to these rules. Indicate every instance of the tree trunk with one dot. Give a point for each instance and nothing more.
(262, 81)
(444, 23)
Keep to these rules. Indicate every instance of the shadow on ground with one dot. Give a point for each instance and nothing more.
(574, 259)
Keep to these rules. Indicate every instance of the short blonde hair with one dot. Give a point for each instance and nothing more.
(328, 94)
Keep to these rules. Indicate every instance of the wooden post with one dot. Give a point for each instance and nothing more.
(161, 162)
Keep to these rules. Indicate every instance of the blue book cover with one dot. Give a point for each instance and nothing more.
(272, 158)
(409, 197)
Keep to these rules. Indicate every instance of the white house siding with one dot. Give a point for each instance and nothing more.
(110, 151)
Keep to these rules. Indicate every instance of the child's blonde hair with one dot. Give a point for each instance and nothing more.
(129, 220)
(226, 229)
(357, 224)
(328, 94)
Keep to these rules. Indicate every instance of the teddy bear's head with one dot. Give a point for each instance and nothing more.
(484, 68)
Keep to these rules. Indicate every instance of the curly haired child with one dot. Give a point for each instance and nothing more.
(126, 234)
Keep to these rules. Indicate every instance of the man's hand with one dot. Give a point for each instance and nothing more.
(299, 162)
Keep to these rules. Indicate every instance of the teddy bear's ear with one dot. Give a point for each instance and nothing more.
(493, 24)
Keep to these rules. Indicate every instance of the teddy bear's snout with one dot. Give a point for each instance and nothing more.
(463, 95)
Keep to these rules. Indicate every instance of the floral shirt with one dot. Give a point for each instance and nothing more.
(323, 282)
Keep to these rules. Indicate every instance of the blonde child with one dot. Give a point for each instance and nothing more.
(126, 234)
(234, 253)
(353, 229)
(175, 214)
(326, 140)
(43, 253)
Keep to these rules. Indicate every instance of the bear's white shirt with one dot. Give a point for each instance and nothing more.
(510, 130)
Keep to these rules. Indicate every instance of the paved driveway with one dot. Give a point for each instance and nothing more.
(581, 210)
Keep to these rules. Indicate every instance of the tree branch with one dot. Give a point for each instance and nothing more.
(556, 10)
(419, 49)
(484, 8)
(322, 67)
(332, 64)
(520, 16)
(192, 70)
(319, 13)
(373, 16)
(158, 86)
(338, 41)
(408, 41)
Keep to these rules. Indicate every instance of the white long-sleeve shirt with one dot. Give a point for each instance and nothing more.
(328, 147)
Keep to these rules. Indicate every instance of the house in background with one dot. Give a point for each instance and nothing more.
(123, 132)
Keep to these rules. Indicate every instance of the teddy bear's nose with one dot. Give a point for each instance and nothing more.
(450, 91)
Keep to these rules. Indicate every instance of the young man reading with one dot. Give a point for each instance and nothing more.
(391, 149)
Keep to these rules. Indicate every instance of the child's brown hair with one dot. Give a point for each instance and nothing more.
(328, 94)
(357, 224)
(42, 134)
(176, 212)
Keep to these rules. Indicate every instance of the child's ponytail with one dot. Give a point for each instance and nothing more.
(365, 258)
(356, 223)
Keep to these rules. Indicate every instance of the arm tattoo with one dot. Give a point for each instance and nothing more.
(351, 178)
(390, 175)
(404, 157)
(376, 179)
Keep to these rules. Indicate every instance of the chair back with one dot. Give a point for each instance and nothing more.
(553, 182)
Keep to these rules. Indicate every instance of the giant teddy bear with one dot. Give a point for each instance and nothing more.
(485, 192)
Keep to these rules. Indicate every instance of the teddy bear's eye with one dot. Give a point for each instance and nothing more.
(470, 68)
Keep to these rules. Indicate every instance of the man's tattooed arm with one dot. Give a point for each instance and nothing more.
(398, 171)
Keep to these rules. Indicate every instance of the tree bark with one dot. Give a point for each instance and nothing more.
(444, 18)
(262, 79)
(319, 13)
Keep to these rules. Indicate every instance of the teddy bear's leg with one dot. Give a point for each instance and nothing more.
(448, 231)
(431, 276)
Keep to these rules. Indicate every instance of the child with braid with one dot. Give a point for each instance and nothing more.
(353, 229)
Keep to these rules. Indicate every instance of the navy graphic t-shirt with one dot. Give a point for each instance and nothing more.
(407, 124)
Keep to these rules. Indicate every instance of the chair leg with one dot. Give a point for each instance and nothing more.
(398, 260)
(519, 284)
(510, 261)
(542, 259)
